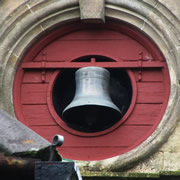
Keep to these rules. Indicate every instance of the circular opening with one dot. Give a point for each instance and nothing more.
(120, 91)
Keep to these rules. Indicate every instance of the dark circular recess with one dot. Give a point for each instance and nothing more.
(120, 93)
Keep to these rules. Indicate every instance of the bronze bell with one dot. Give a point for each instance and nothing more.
(91, 109)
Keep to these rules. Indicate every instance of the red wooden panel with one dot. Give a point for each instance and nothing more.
(35, 76)
(108, 26)
(37, 115)
(119, 64)
(150, 92)
(96, 34)
(125, 136)
(34, 93)
(154, 75)
(111, 43)
(84, 153)
(144, 114)
(122, 49)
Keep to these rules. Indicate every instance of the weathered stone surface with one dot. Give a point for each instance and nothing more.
(154, 164)
(7, 6)
(173, 6)
(92, 11)
(151, 2)
(16, 137)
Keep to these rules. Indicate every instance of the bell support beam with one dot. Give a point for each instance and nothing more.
(55, 65)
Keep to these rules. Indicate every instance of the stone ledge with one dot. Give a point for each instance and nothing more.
(129, 175)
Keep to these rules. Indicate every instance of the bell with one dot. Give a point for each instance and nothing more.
(91, 109)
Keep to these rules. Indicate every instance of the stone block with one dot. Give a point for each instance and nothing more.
(17, 138)
(173, 144)
(92, 11)
(171, 162)
(152, 165)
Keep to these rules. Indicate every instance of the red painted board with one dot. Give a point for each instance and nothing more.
(150, 92)
(35, 76)
(121, 49)
(37, 115)
(125, 136)
(144, 114)
(91, 153)
(117, 64)
(34, 93)
(149, 75)
(94, 34)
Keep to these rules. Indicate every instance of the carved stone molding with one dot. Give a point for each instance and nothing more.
(92, 11)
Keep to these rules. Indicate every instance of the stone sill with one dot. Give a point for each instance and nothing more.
(87, 174)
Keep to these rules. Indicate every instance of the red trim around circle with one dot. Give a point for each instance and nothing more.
(17, 95)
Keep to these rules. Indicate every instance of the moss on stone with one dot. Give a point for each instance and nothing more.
(170, 173)
(144, 175)
(107, 174)
(119, 174)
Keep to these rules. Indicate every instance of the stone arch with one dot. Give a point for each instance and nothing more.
(21, 29)
(34, 19)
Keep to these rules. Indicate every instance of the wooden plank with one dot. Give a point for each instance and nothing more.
(150, 92)
(35, 76)
(91, 153)
(150, 75)
(125, 136)
(34, 93)
(120, 64)
(94, 34)
(37, 115)
(121, 49)
(144, 114)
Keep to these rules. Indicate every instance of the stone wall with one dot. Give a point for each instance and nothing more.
(166, 160)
